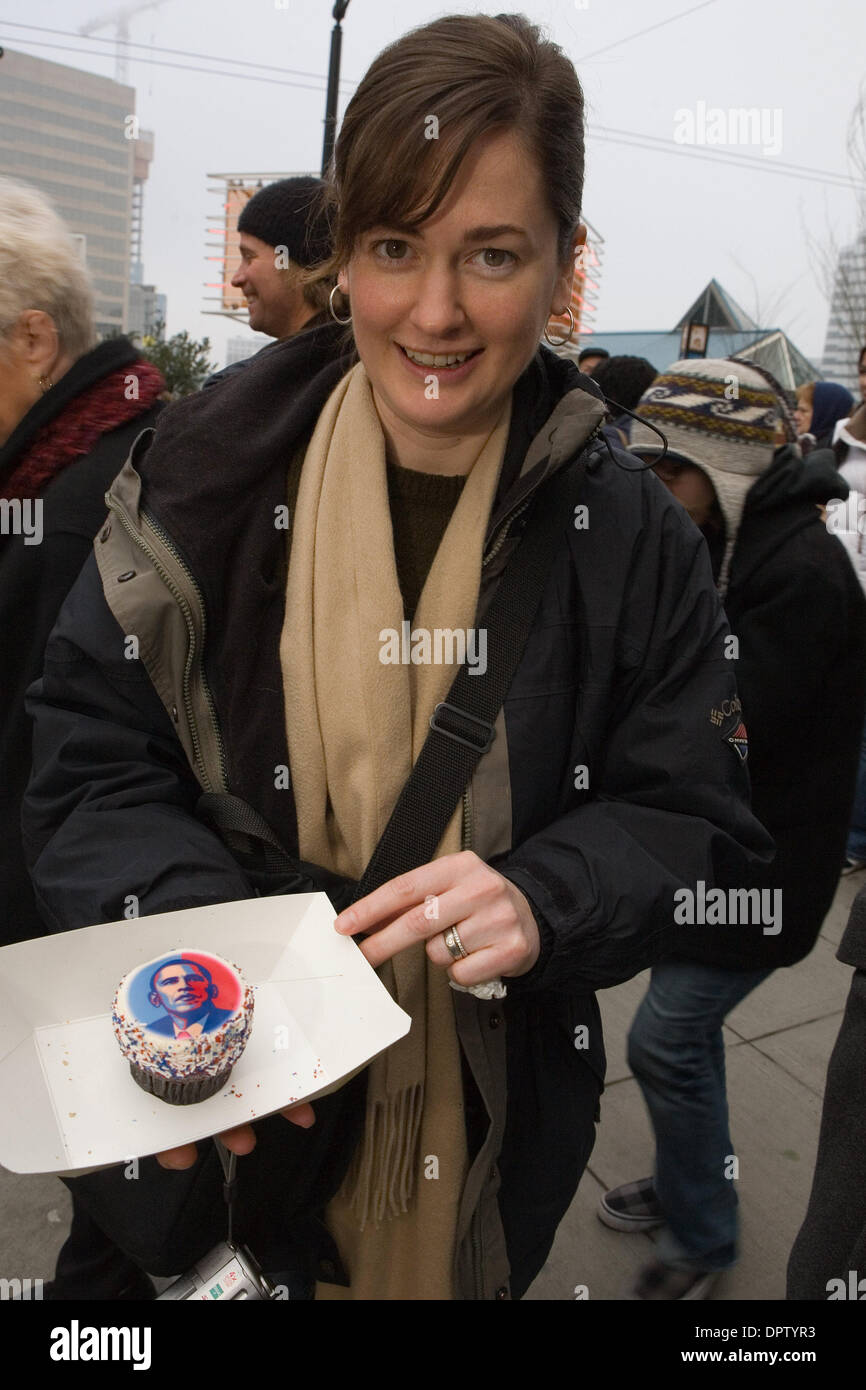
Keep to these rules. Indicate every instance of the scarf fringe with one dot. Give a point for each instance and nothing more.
(383, 1173)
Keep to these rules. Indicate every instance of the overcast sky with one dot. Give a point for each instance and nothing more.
(669, 221)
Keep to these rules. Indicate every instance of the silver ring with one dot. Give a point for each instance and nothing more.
(455, 946)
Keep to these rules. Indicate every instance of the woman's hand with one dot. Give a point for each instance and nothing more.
(240, 1140)
(496, 926)
(493, 918)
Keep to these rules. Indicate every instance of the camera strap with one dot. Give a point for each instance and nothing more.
(229, 1163)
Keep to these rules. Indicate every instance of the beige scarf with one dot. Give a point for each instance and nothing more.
(355, 726)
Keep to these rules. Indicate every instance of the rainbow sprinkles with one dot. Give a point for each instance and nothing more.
(182, 1021)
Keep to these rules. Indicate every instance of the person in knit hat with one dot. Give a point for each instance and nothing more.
(798, 620)
(283, 232)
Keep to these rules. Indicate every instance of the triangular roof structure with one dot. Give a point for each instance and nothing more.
(715, 307)
(775, 351)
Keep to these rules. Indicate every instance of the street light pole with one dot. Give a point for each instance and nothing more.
(340, 8)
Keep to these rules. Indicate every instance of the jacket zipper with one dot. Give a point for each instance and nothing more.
(521, 504)
(181, 601)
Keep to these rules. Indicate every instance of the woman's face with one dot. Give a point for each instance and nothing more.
(18, 387)
(481, 277)
(29, 351)
(803, 416)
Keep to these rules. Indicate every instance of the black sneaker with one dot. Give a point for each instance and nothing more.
(658, 1281)
(631, 1207)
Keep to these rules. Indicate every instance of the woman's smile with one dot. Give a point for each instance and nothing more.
(449, 366)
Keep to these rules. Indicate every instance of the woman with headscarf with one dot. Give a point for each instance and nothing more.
(820, 406)
(404, 457)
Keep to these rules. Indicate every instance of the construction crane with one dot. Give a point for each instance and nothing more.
(121, 19)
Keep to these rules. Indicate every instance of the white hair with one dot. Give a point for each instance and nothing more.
(40, 268)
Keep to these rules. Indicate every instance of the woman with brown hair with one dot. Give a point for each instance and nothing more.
(412, 470)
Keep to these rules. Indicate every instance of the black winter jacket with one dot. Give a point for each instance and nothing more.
(796, 606)
(34, 581)
(608, 785)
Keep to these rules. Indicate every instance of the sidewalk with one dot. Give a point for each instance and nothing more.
(778, 1045)
(779, 1042)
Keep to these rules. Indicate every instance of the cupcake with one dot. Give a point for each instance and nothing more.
(182, 1021)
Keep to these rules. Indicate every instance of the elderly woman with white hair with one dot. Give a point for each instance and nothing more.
(70, 410)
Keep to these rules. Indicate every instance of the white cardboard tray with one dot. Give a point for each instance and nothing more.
(67, 1100)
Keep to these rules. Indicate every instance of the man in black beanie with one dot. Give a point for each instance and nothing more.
(282, 232)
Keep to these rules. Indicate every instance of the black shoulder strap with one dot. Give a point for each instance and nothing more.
(462, 727)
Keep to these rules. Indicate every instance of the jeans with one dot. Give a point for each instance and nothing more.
(677, 1055)
(856, 847)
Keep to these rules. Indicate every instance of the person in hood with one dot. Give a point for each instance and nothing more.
(309, 512)
(798, 621)
(70, 410)
(820, 406)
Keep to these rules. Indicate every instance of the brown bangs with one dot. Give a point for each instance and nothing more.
(423, 104)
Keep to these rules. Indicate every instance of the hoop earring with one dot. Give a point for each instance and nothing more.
(331, 306)
(559, 342)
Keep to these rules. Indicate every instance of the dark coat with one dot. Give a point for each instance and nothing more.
(34, 581)
(797, 608)
(831, 1244)
(619, 676)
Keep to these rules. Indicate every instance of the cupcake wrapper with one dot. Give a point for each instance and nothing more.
(179, 1090)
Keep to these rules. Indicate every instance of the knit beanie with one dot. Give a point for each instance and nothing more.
(721, 415)
(282, 214)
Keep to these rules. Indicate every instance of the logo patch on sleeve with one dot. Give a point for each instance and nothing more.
(738, 738)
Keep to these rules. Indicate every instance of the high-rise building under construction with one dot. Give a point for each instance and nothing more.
(75, 137)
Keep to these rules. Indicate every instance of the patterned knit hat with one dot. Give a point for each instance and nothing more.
(282, 214)
(720, 415)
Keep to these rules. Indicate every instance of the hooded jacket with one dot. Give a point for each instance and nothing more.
(796, 608)
(609, 783)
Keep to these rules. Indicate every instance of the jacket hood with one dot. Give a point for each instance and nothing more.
(784, 501)
(791, 480)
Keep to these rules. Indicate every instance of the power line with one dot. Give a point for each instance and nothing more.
(609, 134)
(733, 158)
(175, 52)
(585, 57)
(183, 67)
(754, 161)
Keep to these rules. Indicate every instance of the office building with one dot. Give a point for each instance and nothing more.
(74, 136)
